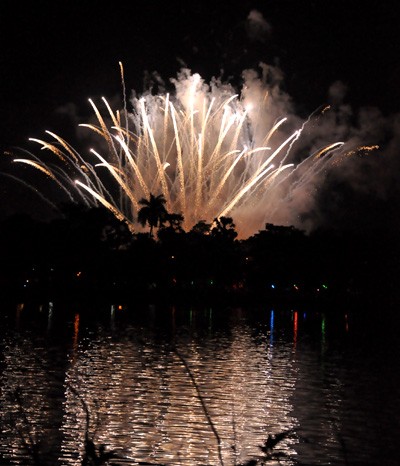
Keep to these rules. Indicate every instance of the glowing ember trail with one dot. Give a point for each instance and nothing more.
(210, 151)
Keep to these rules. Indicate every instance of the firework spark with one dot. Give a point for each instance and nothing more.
(210, 151)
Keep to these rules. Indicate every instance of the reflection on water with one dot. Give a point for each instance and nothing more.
(145, 404)
(181, 386)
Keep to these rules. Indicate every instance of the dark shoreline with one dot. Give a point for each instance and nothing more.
(92, 298)
(90, 257)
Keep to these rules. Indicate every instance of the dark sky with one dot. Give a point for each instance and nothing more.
(57, 53)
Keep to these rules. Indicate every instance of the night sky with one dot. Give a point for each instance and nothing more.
(54, 56)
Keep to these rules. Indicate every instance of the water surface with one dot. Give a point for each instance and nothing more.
(187, 386)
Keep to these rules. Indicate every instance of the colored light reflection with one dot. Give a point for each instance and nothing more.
(271, 327)
(323, 332)
(50, 316)
(295, 327)
(75, 338)
(20, 308)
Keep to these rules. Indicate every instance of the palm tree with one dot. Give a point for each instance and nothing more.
(153, 211)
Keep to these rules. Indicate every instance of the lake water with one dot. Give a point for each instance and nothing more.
(199, 386)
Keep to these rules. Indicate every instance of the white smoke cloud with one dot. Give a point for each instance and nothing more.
(257, 26)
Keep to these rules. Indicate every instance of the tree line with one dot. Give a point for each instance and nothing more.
(89, 251)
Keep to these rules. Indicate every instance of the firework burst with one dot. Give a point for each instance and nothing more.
(209, 151)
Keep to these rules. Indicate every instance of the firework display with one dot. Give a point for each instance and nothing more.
(209, 151)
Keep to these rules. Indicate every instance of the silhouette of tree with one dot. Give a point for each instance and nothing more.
(172, 228)
(174, 221)
(201, 228)
(224, 228)
(153, 212)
